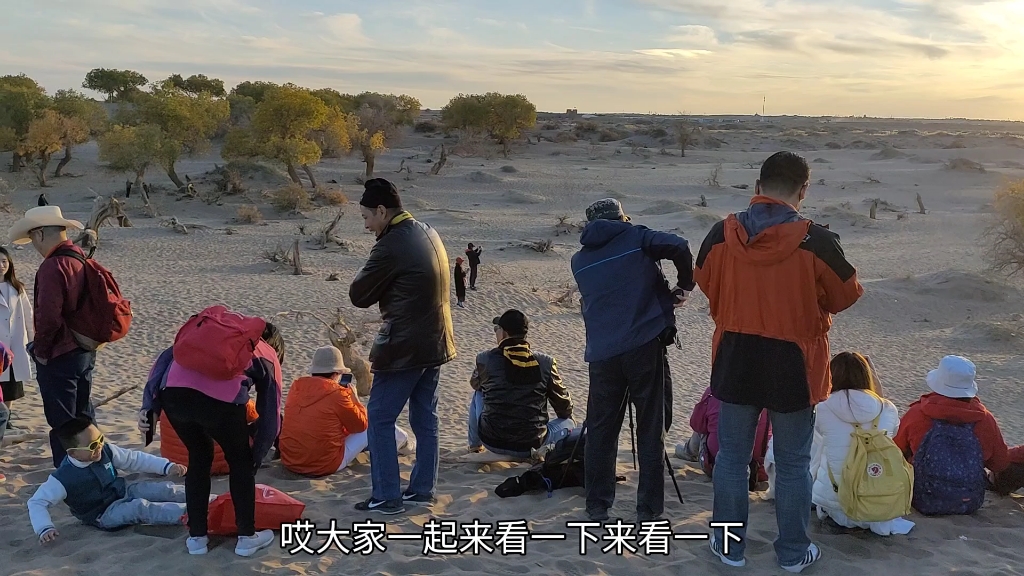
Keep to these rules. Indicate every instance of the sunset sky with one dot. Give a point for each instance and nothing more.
(908, 58)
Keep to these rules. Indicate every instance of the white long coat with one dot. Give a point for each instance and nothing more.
(16, 331)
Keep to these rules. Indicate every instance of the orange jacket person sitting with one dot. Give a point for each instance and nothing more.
(324, 424)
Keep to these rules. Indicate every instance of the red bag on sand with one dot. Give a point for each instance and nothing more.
(273, 508)
(218, 343)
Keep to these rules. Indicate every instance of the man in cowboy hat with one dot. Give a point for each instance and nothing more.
(63, 368)
(324, 424)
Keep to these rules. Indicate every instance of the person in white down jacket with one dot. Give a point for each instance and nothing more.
(856, 398)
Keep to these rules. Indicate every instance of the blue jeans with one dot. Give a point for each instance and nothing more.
(5, 415)
(793, 433)
(557, 429)
(388, 397)
(147, 503)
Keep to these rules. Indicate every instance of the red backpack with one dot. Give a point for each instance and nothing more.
(103, 315)
(218, 343)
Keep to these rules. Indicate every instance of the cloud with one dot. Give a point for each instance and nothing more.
(673, 53)
(499, 24)
(693, 35)
(346, 28)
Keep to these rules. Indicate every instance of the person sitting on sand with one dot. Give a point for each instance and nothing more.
(703, 445)
(324, 424)
(512, 388)
(959, 438)
(856, 399)
(89, 481)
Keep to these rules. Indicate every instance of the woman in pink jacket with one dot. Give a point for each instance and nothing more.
(703, 445)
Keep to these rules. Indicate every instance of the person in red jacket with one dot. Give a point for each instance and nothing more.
(954, 398)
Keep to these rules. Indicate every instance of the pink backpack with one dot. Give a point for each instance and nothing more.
(218, 343)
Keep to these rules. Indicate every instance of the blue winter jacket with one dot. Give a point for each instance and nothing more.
(627, 301)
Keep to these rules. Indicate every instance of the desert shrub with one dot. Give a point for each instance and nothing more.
(565, 137)
(612, 135)
(834, 146)
(332, 197)
(550, 126)
(964, 165)
(586, 127)
(426, 127)
(249, 214)
(1005, 235)
(290, 198)
(251, 170)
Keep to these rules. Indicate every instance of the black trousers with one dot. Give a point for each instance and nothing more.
(641, 373)
(460, 291)
(472, 276)
(199, 421)
(65, 384)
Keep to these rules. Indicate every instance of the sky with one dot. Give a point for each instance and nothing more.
(881, 58)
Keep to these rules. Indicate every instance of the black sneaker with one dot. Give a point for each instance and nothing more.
(417, 498)
(597, 515)
(388, 507)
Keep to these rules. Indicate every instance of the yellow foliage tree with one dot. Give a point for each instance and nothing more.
(132, 149)
(283, 129)
(47, 135)
(187, 122)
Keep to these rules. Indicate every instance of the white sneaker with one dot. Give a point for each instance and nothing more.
(197, 545)
(812, 555)
(717, 549)
(249, 545)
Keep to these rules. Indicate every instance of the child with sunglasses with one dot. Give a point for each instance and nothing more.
(88, 480)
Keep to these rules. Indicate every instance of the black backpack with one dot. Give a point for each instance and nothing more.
(563, 467)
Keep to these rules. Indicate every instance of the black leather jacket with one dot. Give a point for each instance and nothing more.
(516, 418)
(407, 275)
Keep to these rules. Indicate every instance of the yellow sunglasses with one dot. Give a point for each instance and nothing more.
(93, 446)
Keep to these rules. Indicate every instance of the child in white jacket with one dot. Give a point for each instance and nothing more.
(88, 481)
(855, 398)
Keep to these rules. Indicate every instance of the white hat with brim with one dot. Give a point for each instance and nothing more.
(39, 217)
(954, 378)
(328, 360)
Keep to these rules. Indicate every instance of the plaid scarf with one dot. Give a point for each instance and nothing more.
(521, 366)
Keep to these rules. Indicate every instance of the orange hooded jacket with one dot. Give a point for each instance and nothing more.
(319, 415)
(773, 279)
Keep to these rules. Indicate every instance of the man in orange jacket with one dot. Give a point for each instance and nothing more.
(773, 279)
(324, 424)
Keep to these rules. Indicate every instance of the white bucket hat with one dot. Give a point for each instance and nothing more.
(328, 360)
(954, 378)
(39, 217)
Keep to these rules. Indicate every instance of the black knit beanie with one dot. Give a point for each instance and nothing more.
(380, 192)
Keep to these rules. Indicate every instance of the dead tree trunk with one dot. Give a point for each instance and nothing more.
(293, 174)
(920, 204)
(173, 175)
(44, 161)
(874, 210)
(16, 162)
(436, 169)
(309, 173)
(139, 175)
(370, 158)
(353, 360)
(63, 162)
(296, 259)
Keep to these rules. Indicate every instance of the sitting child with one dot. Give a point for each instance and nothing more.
(88, 481)
(951, 438)
(324, 424)
(703, 445)
(855, 400)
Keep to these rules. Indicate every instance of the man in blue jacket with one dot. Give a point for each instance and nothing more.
(629, 313)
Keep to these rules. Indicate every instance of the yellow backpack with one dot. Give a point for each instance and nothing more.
(877, 483)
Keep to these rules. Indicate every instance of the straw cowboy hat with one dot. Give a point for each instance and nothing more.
(954, 378)
(39, 217)
(328, 360)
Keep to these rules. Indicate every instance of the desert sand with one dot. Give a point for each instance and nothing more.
(927, 294)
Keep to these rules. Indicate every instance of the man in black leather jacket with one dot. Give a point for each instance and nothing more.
(513, 385)
(407, 276)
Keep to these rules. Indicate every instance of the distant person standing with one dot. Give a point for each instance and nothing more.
(629, 313)
(473, 253)
(406, 275)
(64, 369)
(773, 280)
(16, 331)
(460, 282)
